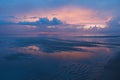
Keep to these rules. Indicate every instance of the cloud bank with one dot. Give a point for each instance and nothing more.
(43, 21)
(74, 11)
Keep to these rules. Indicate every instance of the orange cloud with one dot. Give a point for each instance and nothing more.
(70, 14)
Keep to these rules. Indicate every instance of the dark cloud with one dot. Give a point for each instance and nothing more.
(44, 21)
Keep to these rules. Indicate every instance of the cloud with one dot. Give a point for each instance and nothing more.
(43, 21)
(112, 27)
(8, 18)
(3, 22)
(78, 12)
(47, 8)
(114, 22)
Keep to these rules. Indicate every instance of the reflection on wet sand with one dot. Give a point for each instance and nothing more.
(34, 50)
(97, 49)
(55, 58)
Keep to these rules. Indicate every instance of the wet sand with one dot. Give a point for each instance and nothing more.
(57, 59)
(112, 69)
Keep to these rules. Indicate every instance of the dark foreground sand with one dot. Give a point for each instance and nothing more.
(112, 69)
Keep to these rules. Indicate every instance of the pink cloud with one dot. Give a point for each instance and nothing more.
(70, 14)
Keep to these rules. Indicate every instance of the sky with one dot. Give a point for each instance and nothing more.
(90, 13)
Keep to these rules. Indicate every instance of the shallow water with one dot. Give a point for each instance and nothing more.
(56, 58)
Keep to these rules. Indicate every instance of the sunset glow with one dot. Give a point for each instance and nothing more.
(68, 14)
(59, 39)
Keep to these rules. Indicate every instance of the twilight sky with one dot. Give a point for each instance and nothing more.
(75, 12)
